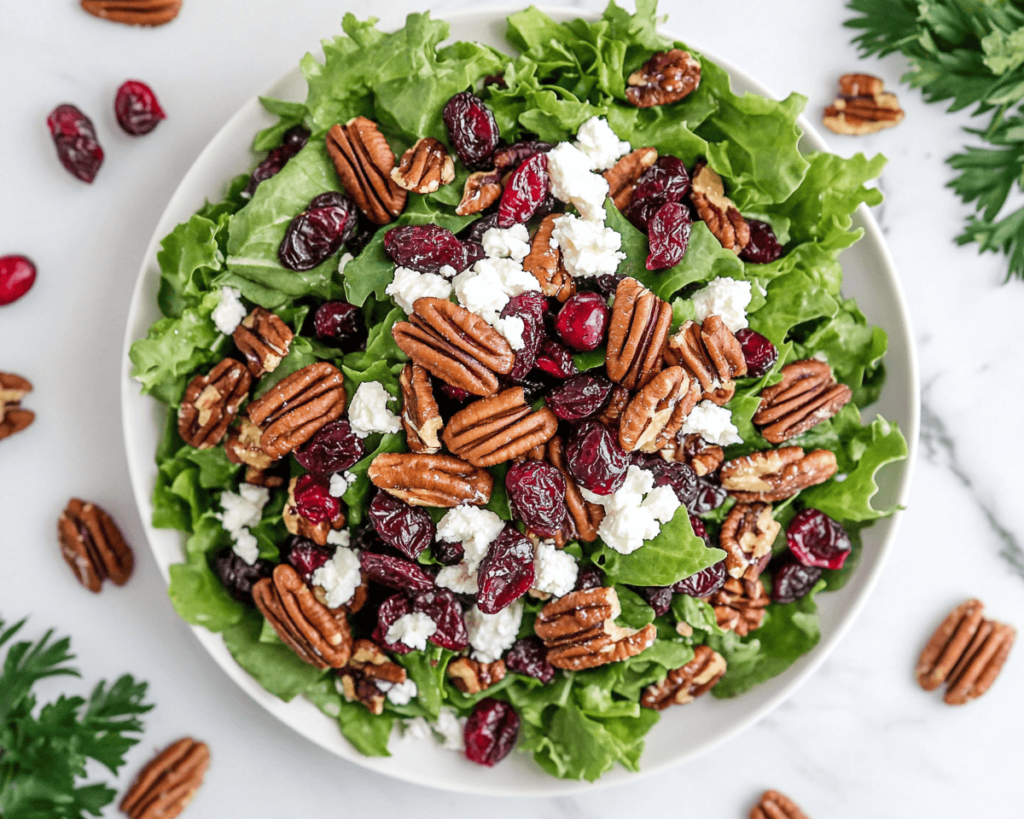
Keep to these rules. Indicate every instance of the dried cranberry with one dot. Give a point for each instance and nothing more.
(491, 731)
(17, 275)
(594, 458)
(293, 141)
(535, 386)
(365, 231)
(679, 476)
(455, 393)
(495, 79)
(75, 138)
(709, 496)
(700, 530)
(474, 253)
(237, 576)
(480, 227)
(759, 353)
(441, 606)
(425, 248)
(340, 324)
(509, 157)
(506, 573)
(365, 538)
(305, 556)
(529, 307)
(313, 499)
(658, 598)
(548, 206)
(525, 189)
(555, 360)
(390, 610)
(334, 447)
(472, 129)
(529, 657)
(607, 284)
(395, 573)
(763, 247)
(792, 581)
(536, 492)
(703, 583)
(447, 553)
(580, 397)
(669, 233)
(817, 540)
(583, 321)
(590, 577)
(665, 181)
(317, 234)
(406, 528)
(136, 107)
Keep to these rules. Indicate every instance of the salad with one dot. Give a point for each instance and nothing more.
(514, 399)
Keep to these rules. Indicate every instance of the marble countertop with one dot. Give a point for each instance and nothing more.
(859, 739)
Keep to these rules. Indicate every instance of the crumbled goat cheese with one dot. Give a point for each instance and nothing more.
(458, 578)
(339, 577)
(599, 142)
(554, 570)
(713, 424)
(412, 630)
(369, 411)
(725, 298)
(630, 519)
(474, 528)
(229, 312)
(398, 693)
(451, 727)
(572, 181)
(508, 243)
(245, 545)
(409, 285)
(339, 537)
(512, 328)
(588, 248)
(340, 482)
(240, 511)
(662, 502)
(416, 728)
(491, 635)
(486, 287)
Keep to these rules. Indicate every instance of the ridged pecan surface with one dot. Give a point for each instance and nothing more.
(656, 413)
(499, 428)
(636, 335)
(776, 474)
(93, 546)
(425, 167)
(164, 788)
(665, 78)
(12, 417)
(747, 535)
(421, 417)
(364, 161)
(685, 684)
(134, 12)
(807, 395)
(431, 480)
(211, 403)
(624, 174)
(546, 265)
(264, 341)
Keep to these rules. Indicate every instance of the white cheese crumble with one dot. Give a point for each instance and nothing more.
(491, 635)
(725, 298)
(416, 728)
(512, 328)
(486, 287)
(412, 630)
(339, 537)
(409, 285)
(713, 424)
(588, 248)
(630, 519)
(229, 312)
(340, 482)
(339, 577)
(240, 511)
(508, 243)
(601, 145)
(398, 693)
(369, 411)
(451, 726)
(572, 181)
(554, 570)
(459, 578)
(474, 528)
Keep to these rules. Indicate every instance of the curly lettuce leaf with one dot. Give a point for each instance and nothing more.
(273, 665)
(367, 732)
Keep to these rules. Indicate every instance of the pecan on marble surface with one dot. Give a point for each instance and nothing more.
(431, 480)
(211, 403)
(134, 12)
(364, 161)
(776, 474)
(862, 107)
(166, 785)
(775, 805)
(13, 418)
(93, 546)
(807, 395)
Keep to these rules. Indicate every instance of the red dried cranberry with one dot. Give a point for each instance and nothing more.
(455, 393)
(294, 140)
(315, 235)
(313, 499)
(509, 157)
(491, 732)
(17, 275)
(792, 581)
(340, 324)
(446, 553)
(305, 556)
(529, 307)
(658, 598)
(817, 540)
(700, 530)
(536, 492)
(237, 576)
(759, 353)
(529, 657)
(607, 284)
(669, 233)
(480, 227)
(334, 447)
(594, 458)
(525, 189)
(679, 476)
(709, 496)
(580, 397)
(425, 248)
(583, 321)
(472, 129)
(395, 573)
(703, 583)
(763, 247)
(548, 206)
(390, 610)
(75, 138)
(495, 79)
(441, 606)
(555, 360)
(136, 107)
(665, 181)
(406, 528)
(474, 253)
(589, 577)
(365, 538)
(506, 573)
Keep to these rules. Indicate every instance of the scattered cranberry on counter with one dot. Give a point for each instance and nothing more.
(17, 275)
(75, 138)
(137, 109)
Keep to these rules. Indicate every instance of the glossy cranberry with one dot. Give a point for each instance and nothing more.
(474, 253)
(709, 496)
(700, 530)
(136, 107)
(441, 606)
(679, 476)
(506, 573)
(525, 189)
(665, 181)
(334, 448)
(406, 528)
(529, 307)
(763, 247)
(17, 275)
(75, 139)
(594, 458)
(395, 573)
(583, 321)
(555, 359)
(425, 248)
(237, 576)
(669, 233)
(447, 553)
(390, 610)
(536, 492)
(792, 581)
(305, 556)
(580, 397)
(528, 656)
(509, 157)
(491, 732)
(658, 598)
(294, 140)
(817, 540)
(704, 583)
(548, 206)
(480, 227)
(340, 324)
(590, 577)
(472, 129)
(317, 234)
(313, 499)
(759, 353)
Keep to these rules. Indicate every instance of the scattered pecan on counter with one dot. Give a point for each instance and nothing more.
(862, 107)
(166, 785)
(93, 546)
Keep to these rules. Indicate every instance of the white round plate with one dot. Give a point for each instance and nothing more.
(682, 733)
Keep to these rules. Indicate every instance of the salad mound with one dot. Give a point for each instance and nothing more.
(514, 399)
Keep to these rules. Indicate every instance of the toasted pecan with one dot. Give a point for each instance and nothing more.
(431, 480)
(636, 335)
(499, 428)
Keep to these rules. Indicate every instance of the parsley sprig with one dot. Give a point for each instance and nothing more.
(43, 753)
(970, 53)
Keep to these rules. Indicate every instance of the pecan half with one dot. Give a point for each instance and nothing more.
(93, 546)
(579, 631)
(776, 474)
(298, 524)
(358, 678)
(656, 413)
(806, 396)
(711, 354)
(611, 415)
(739, 605)
(862, 107)
(211, 403)
(624, 174)
(292, 411)
(717, 211)
(12, 417)
(134, 12)
(482, 190)
(243, 446)
(747, 535)
(586, 516)
(636, 336)
(685, 684)
(497, 429)
(702, 457)
(545, 263)
(775, 805)
(168, 782)
(471, 676)
(263, 339)
(364, 162)
(431, 480)
(665, 78)
(425, 167)
(420, 416)
(455, 345)
(317, 635)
